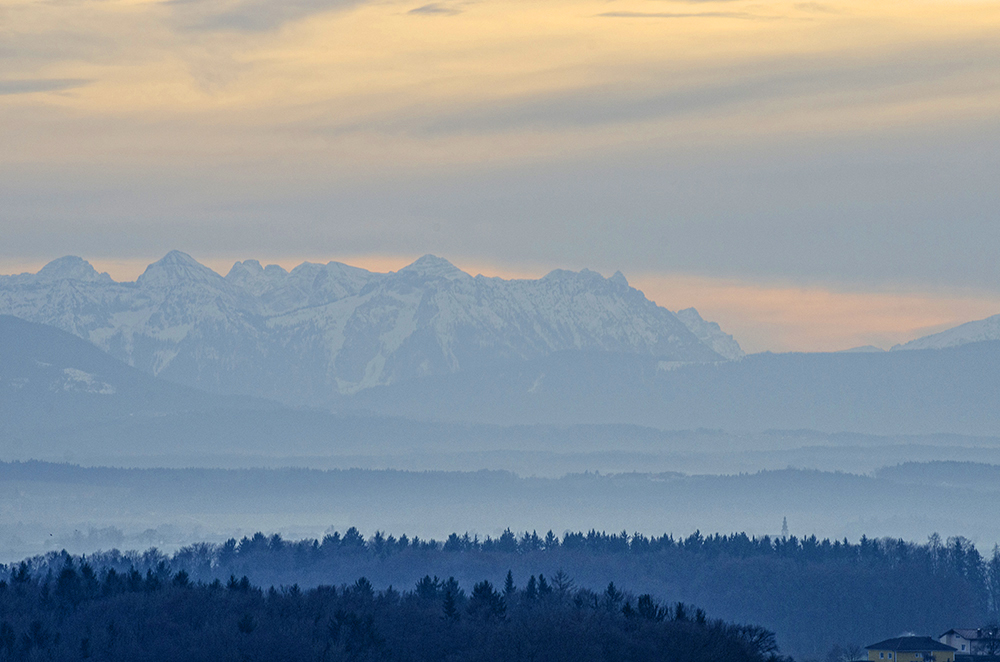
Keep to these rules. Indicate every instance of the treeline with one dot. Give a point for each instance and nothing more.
(814, 594)
(956, 555)
(81, 613)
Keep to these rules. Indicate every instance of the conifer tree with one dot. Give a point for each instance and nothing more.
(531, 590)
(562, 584)
(543, 586)
(450, 608)
(508, 586)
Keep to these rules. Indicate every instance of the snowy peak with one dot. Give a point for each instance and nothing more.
(567, 275)
(249, 267)
(432, 266)
(583, 282)
(711, 334)
(70, 268)
(175, 268)
(970, 332)
(274, 271)
(303, 336)
(254, 278)
(306, 286)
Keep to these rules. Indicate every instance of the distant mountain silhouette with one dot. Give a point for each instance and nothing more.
(970, 332)
(917, 392)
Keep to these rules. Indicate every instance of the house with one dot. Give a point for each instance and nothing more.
(961, 639)
(973, 641)
(911, 649)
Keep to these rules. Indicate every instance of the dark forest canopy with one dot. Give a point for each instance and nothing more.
(81, 613)
(815, 594)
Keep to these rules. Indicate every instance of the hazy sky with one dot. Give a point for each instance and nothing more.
(812, 175)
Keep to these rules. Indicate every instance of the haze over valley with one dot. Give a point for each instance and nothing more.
(574, 379)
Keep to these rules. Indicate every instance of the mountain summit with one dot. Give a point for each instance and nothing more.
(176, 267)
(432, 266)
(304, 336)
(70, 268)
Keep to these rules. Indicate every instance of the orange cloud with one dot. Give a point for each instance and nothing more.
(785, 318)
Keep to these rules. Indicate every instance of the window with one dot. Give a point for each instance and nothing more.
(881, 656)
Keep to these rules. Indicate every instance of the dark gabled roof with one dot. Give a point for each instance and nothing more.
(910, 644)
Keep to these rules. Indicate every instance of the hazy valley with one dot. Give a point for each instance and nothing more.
(187, 408)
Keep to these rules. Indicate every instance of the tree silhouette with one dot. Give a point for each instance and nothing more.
(485, 603)
(450, 606)
(509, 589)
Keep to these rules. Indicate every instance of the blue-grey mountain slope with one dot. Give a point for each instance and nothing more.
(50, 378)
(951, 390)
(301, 337)
(970, 332)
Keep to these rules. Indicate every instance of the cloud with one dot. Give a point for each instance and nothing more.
(435, 8)
(704, 14)
(250, 15)
(823, 82)
(33, 85)
(816, 7)
(779, 317)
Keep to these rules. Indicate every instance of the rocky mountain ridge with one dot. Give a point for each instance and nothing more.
(306, 335)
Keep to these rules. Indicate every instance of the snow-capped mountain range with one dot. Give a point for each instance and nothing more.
(302, 337)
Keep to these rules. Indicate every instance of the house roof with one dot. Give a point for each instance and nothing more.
(909, 644)
(966, 633)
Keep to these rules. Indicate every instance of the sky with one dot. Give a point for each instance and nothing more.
(814, 176)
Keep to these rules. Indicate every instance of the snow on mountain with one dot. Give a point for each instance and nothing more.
(254, 278)
(302, 336)
(177, 268)
(78, 380)
(71, 268)
(711, 334)
(978, 331)
(56, 389)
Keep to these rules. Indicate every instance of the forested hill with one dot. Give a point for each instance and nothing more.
(162, 615)
(814, 594)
